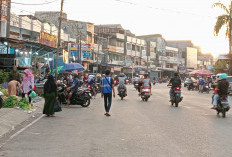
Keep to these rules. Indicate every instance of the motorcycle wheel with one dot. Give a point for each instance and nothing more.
(176, 104)
(87, 103)
(121, 97)
(223, 113)
(172, 103)
(146, 99)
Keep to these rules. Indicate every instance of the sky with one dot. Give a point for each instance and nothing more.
(174, 19)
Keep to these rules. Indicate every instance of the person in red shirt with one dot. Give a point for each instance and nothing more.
(85, 78)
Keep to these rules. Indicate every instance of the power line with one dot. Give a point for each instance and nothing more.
(163, 9)
(35, 3)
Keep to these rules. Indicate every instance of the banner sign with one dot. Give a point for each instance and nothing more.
(84, 47)
(48, 39)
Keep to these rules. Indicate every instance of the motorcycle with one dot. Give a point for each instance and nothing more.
(91, 92)
(81, 97)
(98, 88)
(176, 96)
(154, 82)
(190, 86)
(145, 94)
(223, 106)
(206, 88)
(1, 100)
(115, 82)
(136, 85)
(122, 92)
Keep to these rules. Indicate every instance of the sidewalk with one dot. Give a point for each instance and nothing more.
(11, 118)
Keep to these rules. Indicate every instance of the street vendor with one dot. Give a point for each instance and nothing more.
(14, 75)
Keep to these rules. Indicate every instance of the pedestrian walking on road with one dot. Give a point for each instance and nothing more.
(28, 84)
(50, 95)
(107, 89)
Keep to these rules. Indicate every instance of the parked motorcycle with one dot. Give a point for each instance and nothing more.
(1, 100)
(122, 92)
(91, 92)
(81, 97)
(223, 106)
(176, 96)
(145, 94)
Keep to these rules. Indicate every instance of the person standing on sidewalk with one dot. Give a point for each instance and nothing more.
(107, 89)
(50, 95)
(28, 84)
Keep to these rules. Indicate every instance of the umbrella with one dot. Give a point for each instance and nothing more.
(58, 69)
(201, 72)
(72, 66)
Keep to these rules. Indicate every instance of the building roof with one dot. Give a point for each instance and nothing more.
(150, 35)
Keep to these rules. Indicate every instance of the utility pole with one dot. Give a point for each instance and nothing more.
(107, 53)
(80, 53)
(59, 34)
(8, 19)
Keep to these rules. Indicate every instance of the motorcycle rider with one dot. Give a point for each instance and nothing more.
(136, 79)
(122, 80)
(190, 82)
(91, 82)
(73, 88)
(146, 83)
(222, 89)
(174, 82)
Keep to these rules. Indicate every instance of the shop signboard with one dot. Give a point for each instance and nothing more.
(48, 39)
(84, 47)
(191, 58)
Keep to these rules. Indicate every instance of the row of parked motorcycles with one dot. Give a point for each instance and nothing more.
(194, 86)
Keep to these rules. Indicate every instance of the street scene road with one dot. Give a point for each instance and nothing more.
(135, 129)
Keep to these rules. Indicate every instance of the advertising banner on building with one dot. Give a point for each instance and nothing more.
(191, 58)
(48, 39)
(85, 50)
(65, 57)
(84, 47)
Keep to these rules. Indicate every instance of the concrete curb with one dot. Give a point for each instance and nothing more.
(12, 118)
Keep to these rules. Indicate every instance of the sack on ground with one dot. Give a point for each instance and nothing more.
(57, 107)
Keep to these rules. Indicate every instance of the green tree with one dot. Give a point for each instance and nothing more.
(223, 20)
(220, 67)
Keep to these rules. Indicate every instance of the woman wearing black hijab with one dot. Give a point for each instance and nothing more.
(50, 95)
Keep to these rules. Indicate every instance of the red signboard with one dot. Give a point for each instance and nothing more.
(48, 39)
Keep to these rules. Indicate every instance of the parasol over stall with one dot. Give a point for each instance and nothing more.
(72, 66)
(201, 72)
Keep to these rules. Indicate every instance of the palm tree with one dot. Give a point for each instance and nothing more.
(224, 20)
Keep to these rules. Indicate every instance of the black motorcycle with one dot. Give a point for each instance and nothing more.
(223, 106)
(122, 92)
(176, 96)
(80, 97)
(190, 86)
(206, 88)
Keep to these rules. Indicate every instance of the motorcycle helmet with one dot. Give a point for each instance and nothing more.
(223, 76)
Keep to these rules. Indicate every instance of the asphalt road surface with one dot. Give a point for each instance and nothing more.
(135, 129)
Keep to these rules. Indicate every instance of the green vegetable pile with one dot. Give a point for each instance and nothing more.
(3, 90)
(23, 104)
(10, 102)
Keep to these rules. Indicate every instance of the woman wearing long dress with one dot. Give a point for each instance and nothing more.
(50, 95)
(28, 84)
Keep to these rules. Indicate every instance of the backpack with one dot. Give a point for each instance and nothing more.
(176, 81)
